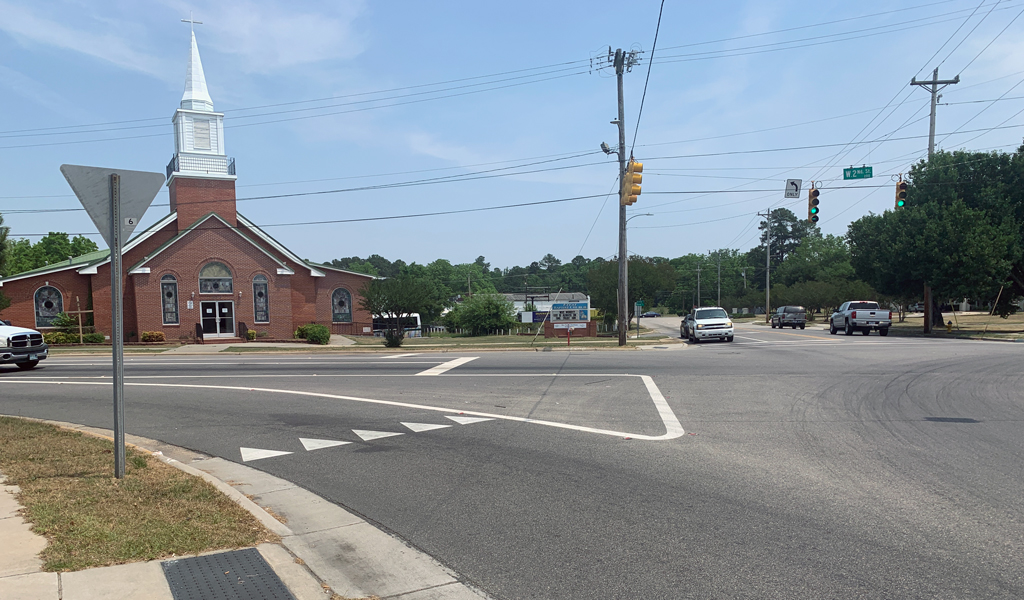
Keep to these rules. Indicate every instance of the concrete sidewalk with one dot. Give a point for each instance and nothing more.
(324, 549)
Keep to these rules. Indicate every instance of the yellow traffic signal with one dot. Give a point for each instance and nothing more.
(812, 204)
(901, 194)
(631, 182)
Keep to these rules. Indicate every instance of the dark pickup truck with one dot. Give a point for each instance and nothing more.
(789, 316)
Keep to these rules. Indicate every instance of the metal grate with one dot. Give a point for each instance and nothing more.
(238, 575)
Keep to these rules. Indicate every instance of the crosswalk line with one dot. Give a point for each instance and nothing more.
(259, 453)
(368, 435)
(448, 366)
(467, 420)
(315, 444)
(418, 427)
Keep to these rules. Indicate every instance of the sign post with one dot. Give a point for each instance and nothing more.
(115, 200)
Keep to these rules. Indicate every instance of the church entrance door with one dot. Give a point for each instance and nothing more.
(218, 319)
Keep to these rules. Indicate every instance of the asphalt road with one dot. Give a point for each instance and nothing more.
(806, 465)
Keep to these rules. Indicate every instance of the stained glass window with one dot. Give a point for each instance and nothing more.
(169, 299)
(49, 303)
(215, 278)
(260, 299)
(341, 306)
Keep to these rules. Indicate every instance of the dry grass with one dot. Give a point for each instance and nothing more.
(92, 519)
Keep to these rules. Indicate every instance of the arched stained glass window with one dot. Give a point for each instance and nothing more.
(169, 299)
(260, 299)
(49, 303)
(215, 278)
(341, 306)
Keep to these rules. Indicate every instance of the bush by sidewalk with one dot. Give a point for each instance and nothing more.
(91, 519)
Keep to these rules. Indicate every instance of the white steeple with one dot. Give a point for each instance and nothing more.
(196, 96)
(198, 130)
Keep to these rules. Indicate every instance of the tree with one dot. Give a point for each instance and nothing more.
(786, 234)
(481, 314)
(397, 298)
(817, 258)
(53, 248)
(647, 277)
(3, 245)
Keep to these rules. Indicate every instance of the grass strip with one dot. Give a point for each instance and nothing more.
(91, 519)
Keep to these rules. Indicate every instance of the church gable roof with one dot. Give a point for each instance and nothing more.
(137, 267)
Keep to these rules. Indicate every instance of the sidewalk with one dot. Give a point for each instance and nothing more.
(324, 550)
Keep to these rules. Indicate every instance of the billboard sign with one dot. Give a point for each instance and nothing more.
(562, 312)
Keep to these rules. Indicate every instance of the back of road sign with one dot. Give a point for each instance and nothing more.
(92, 186)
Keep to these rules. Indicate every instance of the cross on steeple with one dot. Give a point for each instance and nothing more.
(192, 22)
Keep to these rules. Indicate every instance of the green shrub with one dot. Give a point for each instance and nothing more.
(59, 337)
(250, 335)
(316, 334)
(65, 323)
(393, 339)
(93, 338)
(153, 336)
(302, 333)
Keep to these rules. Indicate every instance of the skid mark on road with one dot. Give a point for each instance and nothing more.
(673, 428)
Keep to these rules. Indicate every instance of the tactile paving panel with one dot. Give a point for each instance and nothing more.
(238, 575)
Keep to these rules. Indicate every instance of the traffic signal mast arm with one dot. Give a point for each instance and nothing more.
(631, 182)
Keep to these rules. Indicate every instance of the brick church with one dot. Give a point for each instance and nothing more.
(204, 264)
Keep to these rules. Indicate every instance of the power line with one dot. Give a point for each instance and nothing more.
(650, 63)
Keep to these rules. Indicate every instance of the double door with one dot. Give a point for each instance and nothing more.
(218, 318)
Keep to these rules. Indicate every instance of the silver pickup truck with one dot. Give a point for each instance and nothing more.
(20, 346)
(862, 316)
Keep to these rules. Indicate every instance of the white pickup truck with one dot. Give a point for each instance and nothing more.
(862, 316)
(20, 346)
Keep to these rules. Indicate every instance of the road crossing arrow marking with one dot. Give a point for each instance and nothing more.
(418, 427)
(258, 453)
(467, 420)
(315, 444)
(368, 435)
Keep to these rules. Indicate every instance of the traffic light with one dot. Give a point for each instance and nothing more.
(631, 182)
(812, 204)
(901, 194)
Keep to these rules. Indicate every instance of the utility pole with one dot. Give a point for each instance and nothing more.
(767, 263)
(719, 277)
(744, 279)
(620, 68)
(932, 85)
(698, 286)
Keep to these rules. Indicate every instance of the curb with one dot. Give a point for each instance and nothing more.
(349, 556)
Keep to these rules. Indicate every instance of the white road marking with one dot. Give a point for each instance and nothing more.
(448, 366)
(418, 427)
(258, 453)
(368, 435)
(673, 429)
(315, 444)
(742, 337)
(400, 355)
(467, 420)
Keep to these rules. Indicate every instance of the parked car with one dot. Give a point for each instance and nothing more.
(789, 316)
(22, 347)
(711, 323)
(916, 307)
(651, 314)
(685, 326)
(860, 315)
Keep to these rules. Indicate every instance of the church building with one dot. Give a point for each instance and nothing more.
(202, 264)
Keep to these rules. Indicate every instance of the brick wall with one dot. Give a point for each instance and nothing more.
(194, 198)
(325, 287)
(21, 293)
(187, 257)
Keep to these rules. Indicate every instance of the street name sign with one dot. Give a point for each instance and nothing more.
(570, 311)
(92, 186)
(793, 187)
(858, 173)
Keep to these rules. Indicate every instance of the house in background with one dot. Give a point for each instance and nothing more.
(203, 263)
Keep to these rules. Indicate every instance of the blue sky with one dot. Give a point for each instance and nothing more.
(521, 96)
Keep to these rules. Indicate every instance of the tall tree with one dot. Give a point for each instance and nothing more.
(647, 278)
(53, 248)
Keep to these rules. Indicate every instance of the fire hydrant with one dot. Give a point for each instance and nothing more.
(949, 327)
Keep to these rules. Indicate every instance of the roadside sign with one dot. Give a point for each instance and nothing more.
(640, 303)
(858, 173)
(793, 187)
(569, 311)
(570, 326)
(92, 186)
